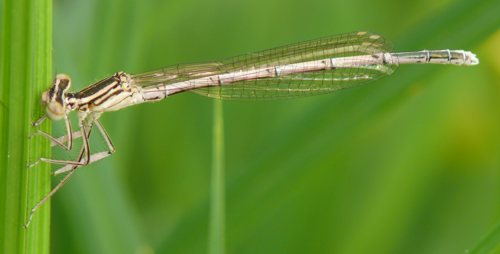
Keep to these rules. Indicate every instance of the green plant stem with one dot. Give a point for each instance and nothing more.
(489, 244)
(25, 71)
(216, 242)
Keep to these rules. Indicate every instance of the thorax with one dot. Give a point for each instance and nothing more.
(109, 94)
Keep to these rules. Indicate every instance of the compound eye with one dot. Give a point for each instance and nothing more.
(62, 82)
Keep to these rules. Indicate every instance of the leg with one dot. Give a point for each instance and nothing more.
(57, 141)
(69, 131)
(71, 168)
(111, 147)
(53, 191)
(49, 195)
(62, 139)
(96, 156)
(85, 135)
(93, 158)
(39, 121)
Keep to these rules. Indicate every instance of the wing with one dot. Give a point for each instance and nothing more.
(283, 86)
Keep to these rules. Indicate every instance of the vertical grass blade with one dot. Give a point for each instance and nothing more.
(25, 71)
(489, 244)
(216, 241)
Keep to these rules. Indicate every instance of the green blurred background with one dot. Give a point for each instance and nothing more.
(407, 164)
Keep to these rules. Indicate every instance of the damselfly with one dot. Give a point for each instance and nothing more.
(308, 68)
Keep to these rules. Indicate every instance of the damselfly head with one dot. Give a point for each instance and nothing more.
(54, 101)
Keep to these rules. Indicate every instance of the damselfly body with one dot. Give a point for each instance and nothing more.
(313, 67)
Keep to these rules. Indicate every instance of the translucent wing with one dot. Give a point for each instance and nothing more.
(284, 86)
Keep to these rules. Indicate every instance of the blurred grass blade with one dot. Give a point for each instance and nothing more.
(216, 236)
(489, 244)
(25, 70)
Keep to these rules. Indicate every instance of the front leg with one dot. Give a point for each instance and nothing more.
(39, 121)
(75, 135)
(58, 141)
(86, 151)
